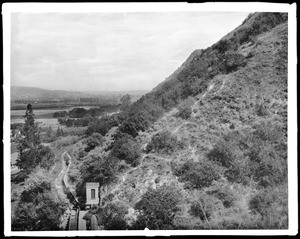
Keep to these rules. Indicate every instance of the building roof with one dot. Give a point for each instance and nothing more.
(91, 184)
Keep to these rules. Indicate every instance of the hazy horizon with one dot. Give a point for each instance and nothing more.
(109, 51)
(79, 90)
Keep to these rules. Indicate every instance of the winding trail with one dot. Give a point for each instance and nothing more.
(223, 83)
(201, 98)
(61, 182)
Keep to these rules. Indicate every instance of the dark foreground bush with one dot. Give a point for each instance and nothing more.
(272, 205)
(157, 209)
(113, 216)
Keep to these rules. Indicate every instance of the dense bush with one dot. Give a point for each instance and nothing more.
(222, 46)
(223, 192)
(65, 141)
(184, 108)
(196, 175)
(40, 155)
(233, 60)
(222, 153)
(140, 116)
(163, 142)
(125, 148)
(157, 209)
(60, 114)
(113, 216)
(77, 112)
(93, 141)
(272, 205)
(81, 154)
(266, 166)
(104, 124)
(202, 208)
(39, 209)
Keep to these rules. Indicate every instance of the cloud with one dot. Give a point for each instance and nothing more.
(109, 51)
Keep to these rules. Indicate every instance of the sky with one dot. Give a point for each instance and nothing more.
(109, 51)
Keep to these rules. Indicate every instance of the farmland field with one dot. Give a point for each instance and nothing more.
(43, 116)
(47, 113)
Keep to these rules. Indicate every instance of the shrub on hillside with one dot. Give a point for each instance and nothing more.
(202, 208)
(233, 61)
(272, 205)
(141, 115)
(222, 153)
(184, 109)
(104, 124)
(223, 192)
(222, 46)
(73, 175)
(125, 148)
(163, 142)
(157, 208)
(66, 141)
(266, 166)
(196, 175)
(193, 86)
(93, 141)
(113, 216)
(262, 110)
(39, 209)
(82, 154)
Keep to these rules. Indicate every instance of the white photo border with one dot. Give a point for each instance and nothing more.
(9, 8)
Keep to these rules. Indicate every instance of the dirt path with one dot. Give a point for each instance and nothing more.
(193, 107)
(223, 83)
(60, 188)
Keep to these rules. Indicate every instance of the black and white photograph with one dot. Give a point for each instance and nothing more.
(150, 119)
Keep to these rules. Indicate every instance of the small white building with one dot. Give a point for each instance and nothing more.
(92, 194)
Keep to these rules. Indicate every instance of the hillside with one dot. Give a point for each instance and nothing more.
(205, 149)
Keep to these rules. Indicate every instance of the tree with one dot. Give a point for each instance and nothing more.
(31, 136)
(113, 216)
(31, 152)
(157, 208)
(125, 148)
(163, 142)
(197, 175)
(59, 132)
(39, 207)
(93, 141)
(185, 108)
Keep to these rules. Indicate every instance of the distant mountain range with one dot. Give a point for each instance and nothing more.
(26, 93)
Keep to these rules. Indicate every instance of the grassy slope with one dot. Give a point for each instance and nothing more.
(231, 101)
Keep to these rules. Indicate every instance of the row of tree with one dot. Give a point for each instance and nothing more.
(37, 204)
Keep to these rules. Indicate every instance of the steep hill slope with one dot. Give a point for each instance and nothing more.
(212, 140)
